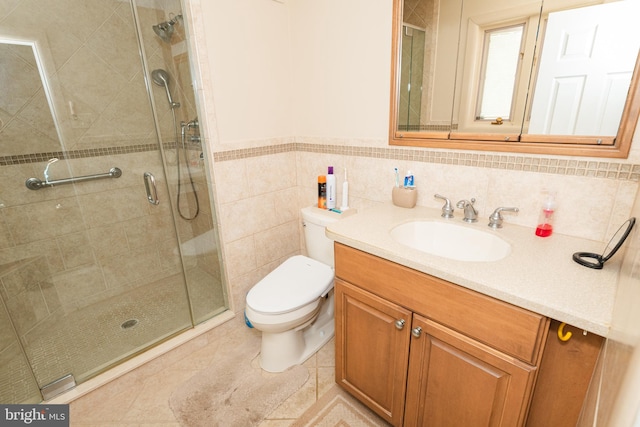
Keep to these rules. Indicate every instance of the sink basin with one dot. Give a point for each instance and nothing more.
(451, 241)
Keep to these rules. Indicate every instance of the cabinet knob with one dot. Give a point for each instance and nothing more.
(416, 332)
(399, 324)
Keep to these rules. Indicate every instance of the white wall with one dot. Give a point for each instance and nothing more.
(250, 66)
(342, 57)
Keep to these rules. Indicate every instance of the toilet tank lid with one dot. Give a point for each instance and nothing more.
(296, 282)
(324, 217)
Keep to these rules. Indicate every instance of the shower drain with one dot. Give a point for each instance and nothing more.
(129, 324)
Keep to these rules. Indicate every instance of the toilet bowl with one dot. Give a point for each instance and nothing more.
(293, 305)
(284, 305)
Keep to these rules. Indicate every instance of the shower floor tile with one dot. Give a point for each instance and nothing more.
(85, 341)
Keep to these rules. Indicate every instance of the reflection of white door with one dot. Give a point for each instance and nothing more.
(585, 70)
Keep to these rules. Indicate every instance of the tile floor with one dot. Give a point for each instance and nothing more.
(141, 397)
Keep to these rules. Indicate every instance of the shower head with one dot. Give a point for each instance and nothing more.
(164, 30)
(161, 78)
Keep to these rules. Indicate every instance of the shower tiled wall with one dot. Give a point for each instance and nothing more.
(107, 238)
(93, 239)
(92, 72)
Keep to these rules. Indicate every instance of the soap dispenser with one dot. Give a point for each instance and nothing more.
(545, 220)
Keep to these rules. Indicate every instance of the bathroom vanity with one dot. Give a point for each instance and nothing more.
(424, 340)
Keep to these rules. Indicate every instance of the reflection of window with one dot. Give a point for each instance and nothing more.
(500, 63)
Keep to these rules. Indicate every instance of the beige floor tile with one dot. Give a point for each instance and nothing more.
(152, 403)
(326, 378)
(299, 401)
(276, 423)
(326, 356)
(142, 397)
(96, 408)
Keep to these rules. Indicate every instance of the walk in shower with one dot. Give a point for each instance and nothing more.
(108, 243)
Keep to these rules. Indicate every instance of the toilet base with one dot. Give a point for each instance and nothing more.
(282, 350)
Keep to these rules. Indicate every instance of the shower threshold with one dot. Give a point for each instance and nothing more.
(58, 387)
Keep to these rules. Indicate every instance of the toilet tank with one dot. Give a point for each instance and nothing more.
(314, 221)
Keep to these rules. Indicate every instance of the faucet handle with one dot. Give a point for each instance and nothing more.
(447, 209)
(495, 219)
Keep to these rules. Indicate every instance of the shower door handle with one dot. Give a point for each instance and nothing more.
(150, 186)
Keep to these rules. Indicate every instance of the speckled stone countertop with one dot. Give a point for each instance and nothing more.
(539, 274)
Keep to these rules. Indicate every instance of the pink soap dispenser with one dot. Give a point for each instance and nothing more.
(545, 220)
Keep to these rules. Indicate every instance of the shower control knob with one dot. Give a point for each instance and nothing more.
(399, 324)
(416, 332)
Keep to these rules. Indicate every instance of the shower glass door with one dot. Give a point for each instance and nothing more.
(410, 90)
(91, 272)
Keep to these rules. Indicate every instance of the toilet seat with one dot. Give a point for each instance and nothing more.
(296, 282)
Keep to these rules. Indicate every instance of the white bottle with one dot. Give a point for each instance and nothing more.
(331, 189)
(345, 193)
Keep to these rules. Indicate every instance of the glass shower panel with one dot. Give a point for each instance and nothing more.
(90, 272)
(17, 383)
(411, 75)
(165, 40)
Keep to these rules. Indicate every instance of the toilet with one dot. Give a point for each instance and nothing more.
(293, 305)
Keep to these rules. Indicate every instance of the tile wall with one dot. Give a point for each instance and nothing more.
(259, 210)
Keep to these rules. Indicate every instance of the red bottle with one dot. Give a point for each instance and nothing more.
(545, 221)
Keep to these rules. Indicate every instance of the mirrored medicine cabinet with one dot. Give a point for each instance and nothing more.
(557, 77)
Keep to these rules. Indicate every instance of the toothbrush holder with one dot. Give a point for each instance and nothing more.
(404, 197)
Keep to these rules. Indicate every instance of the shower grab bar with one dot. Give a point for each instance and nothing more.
(150, 186)
(37, 184)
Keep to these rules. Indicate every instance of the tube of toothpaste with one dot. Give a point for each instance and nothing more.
(409, 180)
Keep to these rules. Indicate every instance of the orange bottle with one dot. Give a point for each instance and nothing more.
(322, 192)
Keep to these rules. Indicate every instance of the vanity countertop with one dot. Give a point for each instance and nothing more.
(539, 274)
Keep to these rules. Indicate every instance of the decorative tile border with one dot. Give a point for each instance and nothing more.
(558, 166)
(246, 153)
(81, 154)
(74, 154)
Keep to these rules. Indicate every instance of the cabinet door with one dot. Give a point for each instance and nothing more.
(372, 350)
(456, 381)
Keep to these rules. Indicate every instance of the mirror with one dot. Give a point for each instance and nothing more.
(466, 76)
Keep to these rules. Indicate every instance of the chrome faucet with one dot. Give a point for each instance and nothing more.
(495, 219)
(470, 213)
(447, 210)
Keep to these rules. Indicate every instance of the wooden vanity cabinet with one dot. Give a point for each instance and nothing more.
(421, 351)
